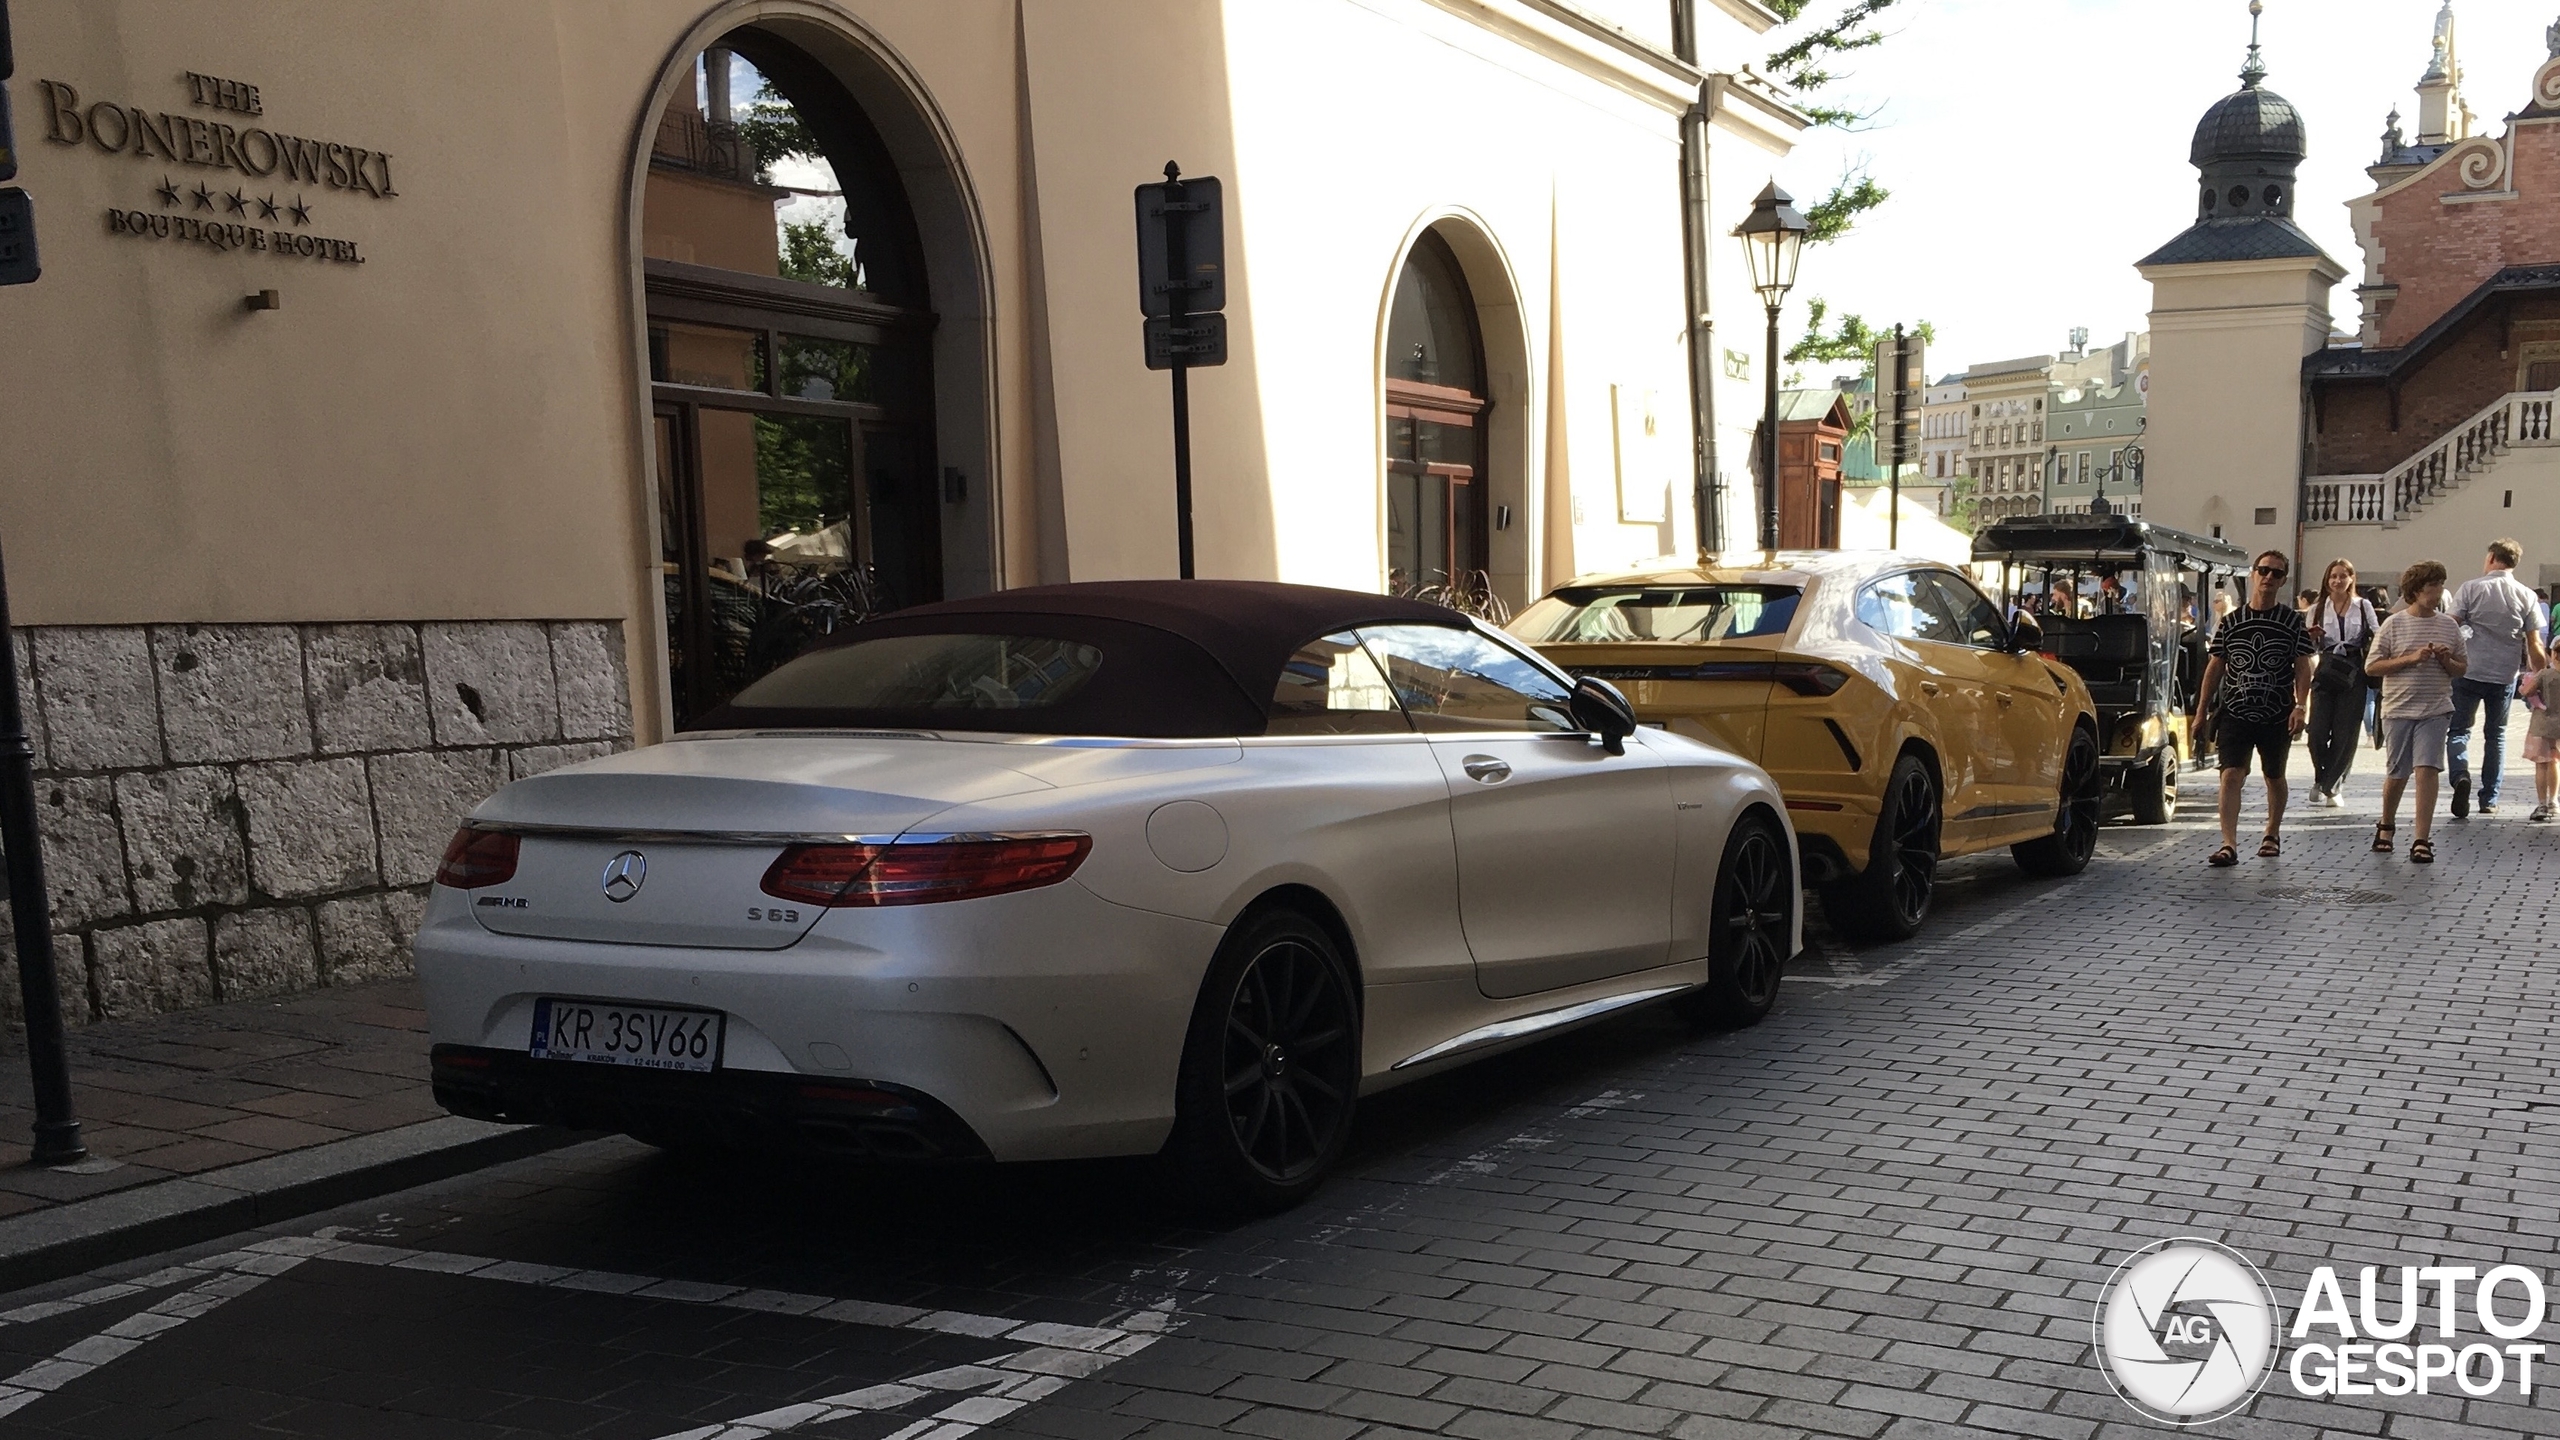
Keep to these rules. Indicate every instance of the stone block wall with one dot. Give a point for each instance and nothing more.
(231, 811)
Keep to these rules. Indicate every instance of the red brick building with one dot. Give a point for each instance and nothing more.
(2427, 438)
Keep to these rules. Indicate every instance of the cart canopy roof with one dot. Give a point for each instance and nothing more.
(2102, 537)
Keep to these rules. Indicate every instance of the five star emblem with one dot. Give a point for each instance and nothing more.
(301, 212)
(204, 197)
(235, 203)
(266, 207)
(168, 191)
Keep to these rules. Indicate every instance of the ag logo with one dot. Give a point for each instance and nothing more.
(2185, 1331)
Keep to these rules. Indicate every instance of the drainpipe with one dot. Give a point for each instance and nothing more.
(715, 87)
(1706, 483)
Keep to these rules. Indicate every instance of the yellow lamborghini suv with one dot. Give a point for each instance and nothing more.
(1903, 717)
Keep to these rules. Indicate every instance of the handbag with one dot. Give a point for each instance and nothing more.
(2342, 669)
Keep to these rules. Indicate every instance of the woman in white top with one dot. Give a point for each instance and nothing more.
(2342, 624)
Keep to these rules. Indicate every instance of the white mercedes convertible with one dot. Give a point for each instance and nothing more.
(1099, 869)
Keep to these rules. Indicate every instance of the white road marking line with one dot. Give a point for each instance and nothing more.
(1056, 1354)
(219, 1279)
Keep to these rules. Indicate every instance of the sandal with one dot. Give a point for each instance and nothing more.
(2269, 847)
(2222, 857)
(2382, 838)
(2422, 852)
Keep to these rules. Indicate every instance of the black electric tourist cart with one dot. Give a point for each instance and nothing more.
(2129, 605)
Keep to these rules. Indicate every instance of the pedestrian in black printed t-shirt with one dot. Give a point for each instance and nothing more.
(2260, 673)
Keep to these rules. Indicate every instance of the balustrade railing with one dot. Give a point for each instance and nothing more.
(2524, 418)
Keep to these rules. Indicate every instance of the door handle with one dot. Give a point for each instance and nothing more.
(1486, 769)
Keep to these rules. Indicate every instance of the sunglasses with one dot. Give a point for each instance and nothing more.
(2271, 572)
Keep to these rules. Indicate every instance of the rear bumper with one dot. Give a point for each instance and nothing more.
(1049, 1023)
(831, 1115)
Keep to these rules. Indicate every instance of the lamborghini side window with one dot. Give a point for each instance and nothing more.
(1976, 620)
(1333, 687)
(1906, 608)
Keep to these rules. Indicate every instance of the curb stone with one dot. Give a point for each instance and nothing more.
(125, 1224)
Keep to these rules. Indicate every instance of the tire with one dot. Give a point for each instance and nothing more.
(1263, 1107)
(1890, 898)
(2155, 788)
(2075, 833)
(1752, 928)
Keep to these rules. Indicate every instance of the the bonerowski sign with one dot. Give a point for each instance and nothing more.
(221, 217)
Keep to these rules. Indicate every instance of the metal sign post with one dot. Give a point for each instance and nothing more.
(1182, 288)
(57, 1139)
(1901, 362)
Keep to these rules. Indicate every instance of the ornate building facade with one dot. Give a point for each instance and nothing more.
(2433, 433)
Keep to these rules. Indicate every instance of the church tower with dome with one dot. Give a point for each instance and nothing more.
(2239, 298)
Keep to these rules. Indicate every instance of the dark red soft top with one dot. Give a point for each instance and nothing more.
(1182, 658)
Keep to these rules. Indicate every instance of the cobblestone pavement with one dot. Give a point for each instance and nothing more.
(182, 1093)
(1885, 1212)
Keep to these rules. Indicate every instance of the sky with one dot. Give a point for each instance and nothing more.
(2037, 148)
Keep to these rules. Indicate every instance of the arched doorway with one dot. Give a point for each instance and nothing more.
(1438, 416)
(791, 366)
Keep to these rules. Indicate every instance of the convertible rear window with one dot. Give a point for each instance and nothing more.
(930, 673)
(1658, 614)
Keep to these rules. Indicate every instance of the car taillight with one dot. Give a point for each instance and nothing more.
(1808, 679)
(478, 858)
(923, 872)
(817, 874)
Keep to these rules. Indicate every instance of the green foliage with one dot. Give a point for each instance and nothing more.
(1800, 65)
(1853, 339)
(809, 254)
(804, 470)
(772, 130)
(1833, 214)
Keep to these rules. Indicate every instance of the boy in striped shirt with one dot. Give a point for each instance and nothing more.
(2416, 656)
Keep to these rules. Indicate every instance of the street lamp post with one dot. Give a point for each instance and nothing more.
(1773, 242)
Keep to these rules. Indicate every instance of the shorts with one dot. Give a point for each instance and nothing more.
(2415, 743)
(2237, 739)
(2541, 749)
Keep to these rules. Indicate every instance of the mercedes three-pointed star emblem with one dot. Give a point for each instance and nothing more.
(624, 874)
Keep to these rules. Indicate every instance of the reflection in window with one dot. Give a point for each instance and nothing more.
(708, 355)
(1452, 679)
(1333, 687)
(1683, 615)
(1431, 321)
(930, 672)
(814, 369)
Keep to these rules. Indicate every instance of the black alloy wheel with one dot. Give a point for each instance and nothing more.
(1890, 898)
(1271, 1070)
(2075, 832)
(1752, 927)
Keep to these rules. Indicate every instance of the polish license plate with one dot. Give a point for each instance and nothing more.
(643, 1037)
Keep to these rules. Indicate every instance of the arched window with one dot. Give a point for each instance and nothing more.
(1437, 414)
(791, 368)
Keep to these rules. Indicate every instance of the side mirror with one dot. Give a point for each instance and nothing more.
(2025, 634)
(1599, 708)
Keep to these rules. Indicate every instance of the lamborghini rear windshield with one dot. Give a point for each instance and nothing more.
(1658, 614)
